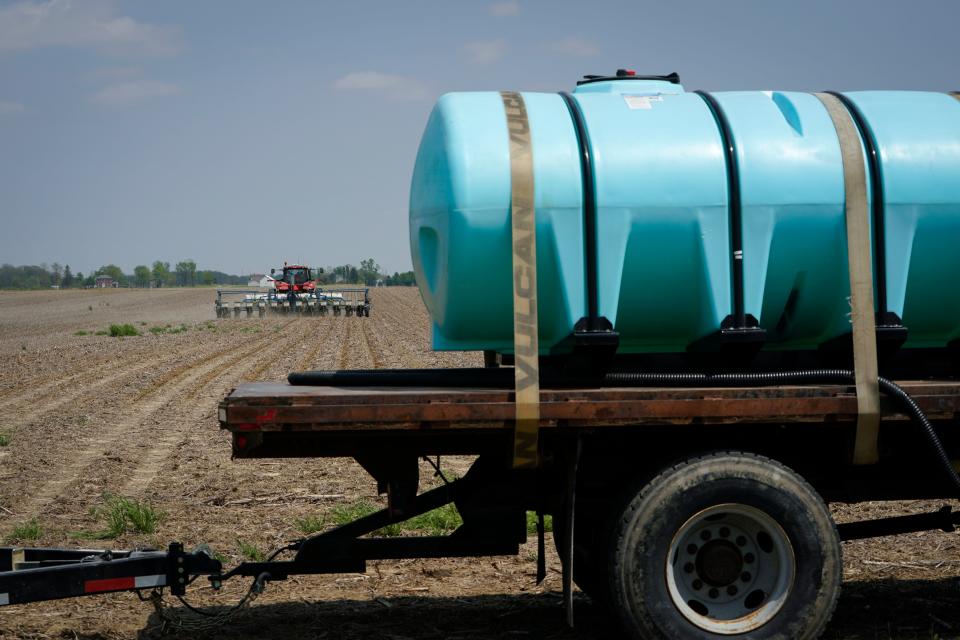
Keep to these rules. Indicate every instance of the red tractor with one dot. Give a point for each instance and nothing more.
(295, 279)
(294, 290)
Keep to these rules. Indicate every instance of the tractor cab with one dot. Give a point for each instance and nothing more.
(293, 278)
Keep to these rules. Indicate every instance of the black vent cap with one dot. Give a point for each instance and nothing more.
(625, 74)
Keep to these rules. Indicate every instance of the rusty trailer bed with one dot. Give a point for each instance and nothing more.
(292, 420)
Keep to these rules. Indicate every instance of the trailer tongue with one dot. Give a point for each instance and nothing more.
(31, 575)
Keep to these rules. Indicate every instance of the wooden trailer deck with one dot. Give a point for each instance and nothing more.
(301, 414)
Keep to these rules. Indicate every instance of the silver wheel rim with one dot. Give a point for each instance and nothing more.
(730, 569)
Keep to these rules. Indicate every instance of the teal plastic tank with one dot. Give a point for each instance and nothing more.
(666, 217)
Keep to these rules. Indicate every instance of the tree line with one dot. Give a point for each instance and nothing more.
(368, 273)
(181, 274)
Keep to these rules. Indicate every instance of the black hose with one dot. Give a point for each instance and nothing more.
(893, 390)
(503, 378)
(488, 378)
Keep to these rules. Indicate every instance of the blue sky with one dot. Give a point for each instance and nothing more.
(241, 133)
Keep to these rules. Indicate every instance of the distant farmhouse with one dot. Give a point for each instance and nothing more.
(105, 282)
(258, 280)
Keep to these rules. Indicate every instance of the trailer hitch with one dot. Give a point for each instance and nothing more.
(34, 574)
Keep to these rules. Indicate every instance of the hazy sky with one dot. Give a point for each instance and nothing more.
(242, 133)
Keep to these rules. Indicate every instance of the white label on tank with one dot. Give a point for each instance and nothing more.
(642, 102)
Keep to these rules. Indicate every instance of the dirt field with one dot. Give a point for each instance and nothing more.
(90, 417)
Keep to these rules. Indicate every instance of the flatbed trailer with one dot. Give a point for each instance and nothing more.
(709, 497)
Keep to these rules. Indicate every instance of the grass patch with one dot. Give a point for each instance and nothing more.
(122, 330)
(102, 332)
(158, 330)
(438, 522)
(4, 439)
(26, 531)
(123, 515)
(311, 524)
(343, 514)
(251, 551)
(532, 522)
(81, 333)
(441, 521)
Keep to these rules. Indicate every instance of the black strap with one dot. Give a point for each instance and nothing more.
(588, 189)
(734, 206)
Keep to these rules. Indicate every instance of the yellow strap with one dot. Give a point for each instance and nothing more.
(860, 263)
(525, 343)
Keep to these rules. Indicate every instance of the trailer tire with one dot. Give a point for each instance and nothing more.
(728, 543)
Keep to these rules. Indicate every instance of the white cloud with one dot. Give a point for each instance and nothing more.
(485, 51)
(504, 9)
(10, 108)
(390, 85)
(574, 46)
(122, 94)
(32, 24)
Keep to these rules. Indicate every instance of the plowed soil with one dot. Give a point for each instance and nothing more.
(90, 417)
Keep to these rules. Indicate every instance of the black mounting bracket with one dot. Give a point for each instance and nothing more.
(740, 342)
(891, 335)
(397, 475)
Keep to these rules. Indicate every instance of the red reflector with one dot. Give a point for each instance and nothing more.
(268, 415)
(109, 584)
(241, 442)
